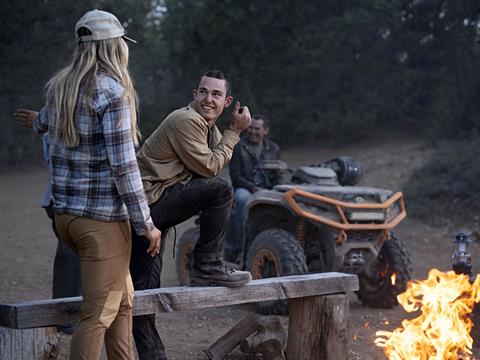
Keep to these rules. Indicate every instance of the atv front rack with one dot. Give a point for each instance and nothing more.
(340, 206)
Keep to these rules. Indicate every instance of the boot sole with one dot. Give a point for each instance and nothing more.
(209, 282)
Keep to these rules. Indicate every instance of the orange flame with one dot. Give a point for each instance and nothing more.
(442, 330)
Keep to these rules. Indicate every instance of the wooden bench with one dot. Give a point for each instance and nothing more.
(318, 307)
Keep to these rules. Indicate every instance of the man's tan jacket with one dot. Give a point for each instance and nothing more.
(181, 147)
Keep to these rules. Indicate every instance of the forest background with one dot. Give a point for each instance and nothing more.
(330, 72)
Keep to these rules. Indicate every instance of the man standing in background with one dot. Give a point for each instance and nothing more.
(248, 177)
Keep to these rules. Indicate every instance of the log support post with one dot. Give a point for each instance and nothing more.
(326, 338)
(35, 344)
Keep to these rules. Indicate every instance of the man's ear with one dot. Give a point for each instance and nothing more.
(228, 101)
(194, 93)
(267, 129)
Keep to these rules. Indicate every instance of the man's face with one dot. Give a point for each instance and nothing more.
(257, 131)
(210, 98)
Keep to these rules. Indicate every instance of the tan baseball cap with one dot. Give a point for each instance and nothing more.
(102, 25)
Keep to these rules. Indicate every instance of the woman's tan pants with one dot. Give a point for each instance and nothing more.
(106, 311)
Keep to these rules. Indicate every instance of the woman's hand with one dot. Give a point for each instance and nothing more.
(155, 237)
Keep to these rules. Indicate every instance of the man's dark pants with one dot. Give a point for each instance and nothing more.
(212, 197)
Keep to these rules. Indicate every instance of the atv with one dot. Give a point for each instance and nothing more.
(319, 221)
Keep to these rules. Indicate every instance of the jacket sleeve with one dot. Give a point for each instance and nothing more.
(40, 123)
(237, 173)
(191, 146)
(123, 163)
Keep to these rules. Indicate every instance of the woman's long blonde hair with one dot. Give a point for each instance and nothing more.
(63, 89)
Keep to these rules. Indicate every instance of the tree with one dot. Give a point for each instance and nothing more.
(37, 40)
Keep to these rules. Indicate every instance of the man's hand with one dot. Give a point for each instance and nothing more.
(241, 119)
(25, 117)
(155, 236)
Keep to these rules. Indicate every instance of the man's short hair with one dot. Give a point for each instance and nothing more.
(217, 74)
(262, 117)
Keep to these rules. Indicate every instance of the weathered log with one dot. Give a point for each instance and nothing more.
(317, 328)
(303, 291)
(246, 327)
(34, 344)
(52, 312)
(256, 335)
(269, 341)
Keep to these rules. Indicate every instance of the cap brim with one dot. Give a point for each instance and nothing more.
(129, 39)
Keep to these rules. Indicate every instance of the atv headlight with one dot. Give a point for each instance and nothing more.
(366, 216)
(393, 211)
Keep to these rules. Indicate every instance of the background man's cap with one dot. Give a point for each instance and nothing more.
(102, 25)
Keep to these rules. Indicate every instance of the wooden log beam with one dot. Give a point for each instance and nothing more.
(246, 327)
(255, 334)
(53, 312)
(269, 342)
(325, 338)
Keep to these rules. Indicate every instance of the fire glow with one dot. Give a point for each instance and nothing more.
(393, 278)
(442, 330)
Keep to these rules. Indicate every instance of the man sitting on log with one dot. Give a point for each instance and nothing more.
(180, 163)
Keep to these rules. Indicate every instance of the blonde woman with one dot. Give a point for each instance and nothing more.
(90, 117)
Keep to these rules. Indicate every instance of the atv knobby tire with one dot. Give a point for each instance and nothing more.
(184, 254)
(275, 252)
(376, 288)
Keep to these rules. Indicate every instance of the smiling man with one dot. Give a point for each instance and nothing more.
(179, 164)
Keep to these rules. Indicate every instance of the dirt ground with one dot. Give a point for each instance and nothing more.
(28, 247)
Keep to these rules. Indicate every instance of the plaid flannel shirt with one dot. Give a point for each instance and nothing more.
(99, 178)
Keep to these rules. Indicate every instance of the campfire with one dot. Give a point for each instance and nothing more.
(442, 330)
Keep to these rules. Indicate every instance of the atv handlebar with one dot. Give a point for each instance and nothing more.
(341, 205)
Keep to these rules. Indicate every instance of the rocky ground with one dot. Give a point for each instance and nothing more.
(28, 247)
